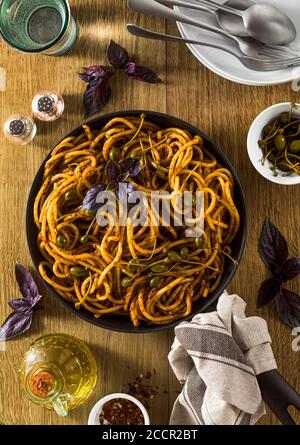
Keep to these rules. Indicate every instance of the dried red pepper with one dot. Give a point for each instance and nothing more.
(121, 412)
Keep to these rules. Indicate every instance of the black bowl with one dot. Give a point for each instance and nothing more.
(122, 323)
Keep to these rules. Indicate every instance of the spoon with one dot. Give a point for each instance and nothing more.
(233, 23)
(263, 22)
(248, 46)
(228, 21)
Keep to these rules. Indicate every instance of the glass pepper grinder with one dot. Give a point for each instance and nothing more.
(19, 129)
(48, 106)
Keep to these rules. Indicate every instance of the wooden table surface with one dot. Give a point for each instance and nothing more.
(222, 109)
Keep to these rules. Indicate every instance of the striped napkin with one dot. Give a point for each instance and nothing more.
(216, 357)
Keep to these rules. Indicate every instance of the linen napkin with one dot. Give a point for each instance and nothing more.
(217, 356)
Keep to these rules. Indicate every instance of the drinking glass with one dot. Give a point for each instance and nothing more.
(37, 26)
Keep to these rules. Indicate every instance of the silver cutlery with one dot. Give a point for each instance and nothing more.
(233, 23)
(247, 45)
(230, 22)
(251, 63)
(264, 22)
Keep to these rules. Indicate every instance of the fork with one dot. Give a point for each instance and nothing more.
(251, 63)
(247, 45)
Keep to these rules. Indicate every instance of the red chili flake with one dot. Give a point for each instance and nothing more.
(121, 412)
(41, 383)
(141, 390)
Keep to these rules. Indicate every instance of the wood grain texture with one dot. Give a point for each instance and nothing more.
(222, 109)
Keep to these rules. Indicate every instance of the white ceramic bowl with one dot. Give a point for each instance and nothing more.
(254, 151)
(95, 412)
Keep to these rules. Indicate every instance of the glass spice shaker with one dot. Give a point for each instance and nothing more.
(48, 106)
(19, 129)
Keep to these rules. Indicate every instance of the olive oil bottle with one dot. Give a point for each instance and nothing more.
(58, 372)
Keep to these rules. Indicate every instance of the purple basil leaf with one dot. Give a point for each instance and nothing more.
(90, 199)
(288, 307)
(21, 305)
(96, 71)
(273, 247)
(17, 323)
(35, 300)
(118, 57)
(123, 177)
(130, 67)
(113, 186)
(290, 269)
(141, 73)
(27, 285)
(85, 77)
(97, 94)
(113, 170)
(131, 167)
(93, 72)
(267, 291)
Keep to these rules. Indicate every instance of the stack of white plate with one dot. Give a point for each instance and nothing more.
(228, 66)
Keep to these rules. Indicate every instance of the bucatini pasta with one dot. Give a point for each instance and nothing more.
(151, 272)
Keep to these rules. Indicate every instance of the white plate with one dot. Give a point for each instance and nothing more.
(225, 64)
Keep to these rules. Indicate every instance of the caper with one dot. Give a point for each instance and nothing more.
(84, 239)
(125, 282)
(71, 195)
(114, 154)
(158, 268)
(283, 166)
(174, 256)
(267, 129)
(162, 174)
(199, 241)
(294, 146)
(79, 271)
(284, 118)
(272, 158)
(131, 267)
(294, 130)
(90, 212)
(154, 282)
(280, 142)
(61, 241)
(184, 251)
